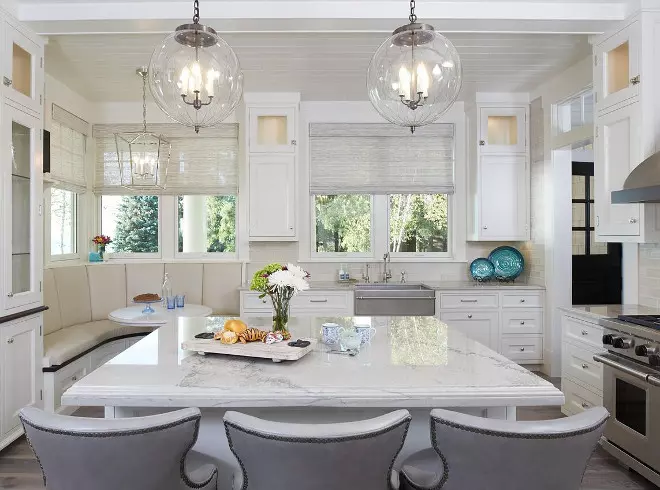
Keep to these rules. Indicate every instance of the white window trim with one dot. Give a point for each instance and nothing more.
(58, 258)
(213, 256)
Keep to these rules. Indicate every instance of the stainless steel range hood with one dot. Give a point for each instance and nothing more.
(643, 183)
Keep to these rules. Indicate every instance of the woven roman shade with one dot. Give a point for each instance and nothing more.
(381, 159)
(204, 163)
(67, 150)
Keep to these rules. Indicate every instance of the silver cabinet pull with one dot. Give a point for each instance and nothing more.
(10, 340)
(7, 81)
(469, 316)
(485, 227)
(633, 221)
(263, 301)
(469, 301)
(318, 300)
(294, 142)
(635, 80)
(74, 378)
(585, 365)
(522, 300)
(10, 294)
(482, 143)
(522, 322)
(584, 332)
(585, 405)
(522, 349)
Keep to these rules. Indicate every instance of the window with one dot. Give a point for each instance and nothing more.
(63, 223)
(343, 223)
(206, 224)
(418, 223)
(131, 222)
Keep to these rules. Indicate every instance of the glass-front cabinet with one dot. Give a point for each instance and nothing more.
(22, 203)
(22, 77)
(502, 130)
(616, 67)
(272, 130)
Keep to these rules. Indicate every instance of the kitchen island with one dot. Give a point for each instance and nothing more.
(417, 363)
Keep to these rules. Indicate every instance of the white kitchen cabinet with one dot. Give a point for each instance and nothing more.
(503, 190)
(617, 67)
(272, 197)
(616, 154)
(20, 371)
(22, 243)
(477, 325)
(272, 129)
(22, 61)
(308, 303)
(502, 130)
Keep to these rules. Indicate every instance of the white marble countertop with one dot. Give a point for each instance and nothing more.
(413, 362)
(597, 312)
(134, 316)
(437, 285)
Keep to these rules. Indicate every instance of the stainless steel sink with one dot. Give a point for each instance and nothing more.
(393, 299)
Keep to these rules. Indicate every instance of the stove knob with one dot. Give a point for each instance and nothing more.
(608, 339)
(642, 350)
(654, 360)
(622, 343)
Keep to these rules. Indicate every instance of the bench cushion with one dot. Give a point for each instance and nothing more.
(220, 291)
(64, 344)
(52, 316)
(73, 294)
(187, 279)
(107, 288)
(143, 278)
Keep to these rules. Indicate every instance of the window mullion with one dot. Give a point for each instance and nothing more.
(380, 236)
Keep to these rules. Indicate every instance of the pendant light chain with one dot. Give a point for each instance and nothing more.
(144, 102)
(196, 12)
(413, 17)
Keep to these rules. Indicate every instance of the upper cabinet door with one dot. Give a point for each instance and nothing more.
(23, 69)
(272, 130)
(21, 154)
(617, 67)
(502, 130)
(272, 197)
(617, 153)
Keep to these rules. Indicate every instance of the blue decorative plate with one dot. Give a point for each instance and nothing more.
(508, 261)
(482, 270)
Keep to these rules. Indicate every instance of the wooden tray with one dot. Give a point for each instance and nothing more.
(277, 352)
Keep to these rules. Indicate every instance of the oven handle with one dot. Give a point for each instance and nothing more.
(626, 369)
(653, 380)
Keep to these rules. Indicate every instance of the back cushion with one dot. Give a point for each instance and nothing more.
(221, 283)
(52, 317)
(73, 293)
(186, 279)
(107, 288)
(143, 278)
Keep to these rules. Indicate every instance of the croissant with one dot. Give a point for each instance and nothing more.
(252, 335)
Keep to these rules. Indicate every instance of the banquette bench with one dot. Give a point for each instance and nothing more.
(78, 337)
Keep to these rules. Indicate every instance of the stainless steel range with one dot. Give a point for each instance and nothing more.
(631, 391)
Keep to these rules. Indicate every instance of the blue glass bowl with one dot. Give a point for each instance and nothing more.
(508, 261)
(482, 270)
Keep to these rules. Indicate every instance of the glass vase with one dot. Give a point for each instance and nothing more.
(281, 315)
(101, 251)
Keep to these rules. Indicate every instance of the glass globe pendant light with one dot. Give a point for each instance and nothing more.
(143, 157)
(194, 75)
(415, 76)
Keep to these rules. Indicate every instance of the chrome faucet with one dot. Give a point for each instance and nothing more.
(403, 277)
(387, 274)
(365, 275)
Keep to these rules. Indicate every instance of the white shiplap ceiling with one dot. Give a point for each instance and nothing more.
(321, 66)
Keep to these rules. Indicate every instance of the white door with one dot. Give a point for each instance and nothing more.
(23, 69)
(503, 197)
(272, 196)
(617, 153)
(479, 326)
(502, 130)
(272, 130)
(22, 165)
(617, 67)
(20, 346)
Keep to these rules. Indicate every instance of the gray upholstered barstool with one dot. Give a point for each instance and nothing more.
(282, 456)
(142, 453)
(474, 453)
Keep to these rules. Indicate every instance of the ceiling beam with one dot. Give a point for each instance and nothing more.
(50, 18)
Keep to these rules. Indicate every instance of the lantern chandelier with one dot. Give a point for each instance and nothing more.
(415, 76)
(143, 157)
(194, 75)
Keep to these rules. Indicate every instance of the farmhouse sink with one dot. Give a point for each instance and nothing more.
(394, 299)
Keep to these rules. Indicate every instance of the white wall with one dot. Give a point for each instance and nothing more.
(556, 208)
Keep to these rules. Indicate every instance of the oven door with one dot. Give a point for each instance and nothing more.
(631, 393)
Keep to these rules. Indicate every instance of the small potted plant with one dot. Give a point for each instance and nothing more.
(281, 283)
(101, 241)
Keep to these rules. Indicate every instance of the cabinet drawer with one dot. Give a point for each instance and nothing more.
(522, 347)
(468, 301)
(321, 301)
(578, 399)
(582, 331)
(522, 322)
(478, 326)
(67, 376)
(252, 302)
(522, 300)
(578, 363)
